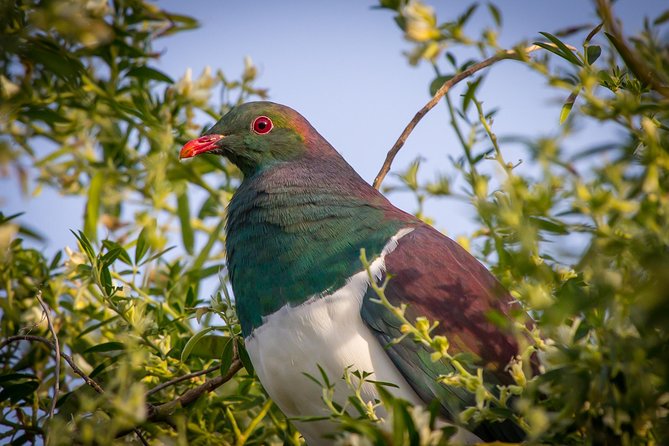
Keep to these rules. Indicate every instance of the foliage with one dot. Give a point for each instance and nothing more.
(578, 236)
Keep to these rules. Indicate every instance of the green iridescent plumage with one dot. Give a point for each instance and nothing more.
(295, 229)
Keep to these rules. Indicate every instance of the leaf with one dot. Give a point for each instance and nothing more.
(664, 17)
(210, 347)
(567, 106)
(93, 206)
(593, 33)
(111, 256)
(18, 391)
(550, 225)
(144, 72)
(55, 262)
(45, 114)
(464, 18)
(227, 356)
(122, 255)
(592, 53)
(142, 245)
(562, 50)
(183, 211)
(159, 254)
(105, 347)
(9, 377)
(185, 353)
(496, 15)
(85, 245)
(437, 83)
(470, 93)
(244, 356)
(389, 4)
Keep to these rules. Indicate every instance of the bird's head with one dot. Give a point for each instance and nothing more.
(257, 135)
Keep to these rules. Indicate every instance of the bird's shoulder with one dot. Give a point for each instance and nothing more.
(437, 278)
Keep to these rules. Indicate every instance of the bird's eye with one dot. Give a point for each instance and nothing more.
(262, 125)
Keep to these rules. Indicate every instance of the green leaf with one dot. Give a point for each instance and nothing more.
(390, 4)
(592, 54)
(470, 93)
(664, 17)
(158, 254)
(85, 245)
(562, 50)
(464, 18)
(593, 33)
(227, 356)
(105, 347)
(122, 254)
(20, 391)
(496, 15)
(11, 377)
(437, 83)
(45, 114)
(244, 356)
(210, 347)
(567, 106)
(144, 72)
(183, 211)
(185, 353)
(93, 206)
(142, 245)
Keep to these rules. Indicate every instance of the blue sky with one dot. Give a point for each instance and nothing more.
(340, 64)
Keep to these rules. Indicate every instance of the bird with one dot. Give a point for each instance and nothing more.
(294, 233)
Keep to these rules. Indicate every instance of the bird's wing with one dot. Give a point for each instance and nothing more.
(438, 279)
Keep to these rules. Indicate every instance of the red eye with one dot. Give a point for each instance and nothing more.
(262, 125)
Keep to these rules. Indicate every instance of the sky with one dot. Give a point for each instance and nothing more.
(340, 64)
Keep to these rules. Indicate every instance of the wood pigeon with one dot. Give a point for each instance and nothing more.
(295, 230)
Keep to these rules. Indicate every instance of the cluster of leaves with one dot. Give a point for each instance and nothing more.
(83, 111)
(579, 236)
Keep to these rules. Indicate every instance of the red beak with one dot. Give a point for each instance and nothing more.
(200, 145)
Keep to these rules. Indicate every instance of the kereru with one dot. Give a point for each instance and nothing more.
(295, 230)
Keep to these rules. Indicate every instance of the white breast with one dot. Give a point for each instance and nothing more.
(326, 331)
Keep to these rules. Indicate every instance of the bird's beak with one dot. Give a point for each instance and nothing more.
(200, 145)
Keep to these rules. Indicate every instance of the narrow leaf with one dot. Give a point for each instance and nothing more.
(111, 346)
(141, 247)
(566, 53)
(185, 353)
(567, 106)
(145, 72)
(183, 211)
(496, 15)
(664, 17)
(244, 356)
(93, 206)
(227, 356)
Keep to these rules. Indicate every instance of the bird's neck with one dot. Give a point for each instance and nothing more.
(295, 232)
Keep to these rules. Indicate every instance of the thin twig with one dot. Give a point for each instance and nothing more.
(190, 396)
(90, 381)
(56, 347)
(87, 379)
(178, 379)
(508, 54)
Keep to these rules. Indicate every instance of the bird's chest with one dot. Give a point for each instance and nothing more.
(325, 334)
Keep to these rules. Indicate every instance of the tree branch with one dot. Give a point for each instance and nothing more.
(87, 379)
(643, 72)
(56, 347)
(178, 379)
(508, 54)
(160, 412)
